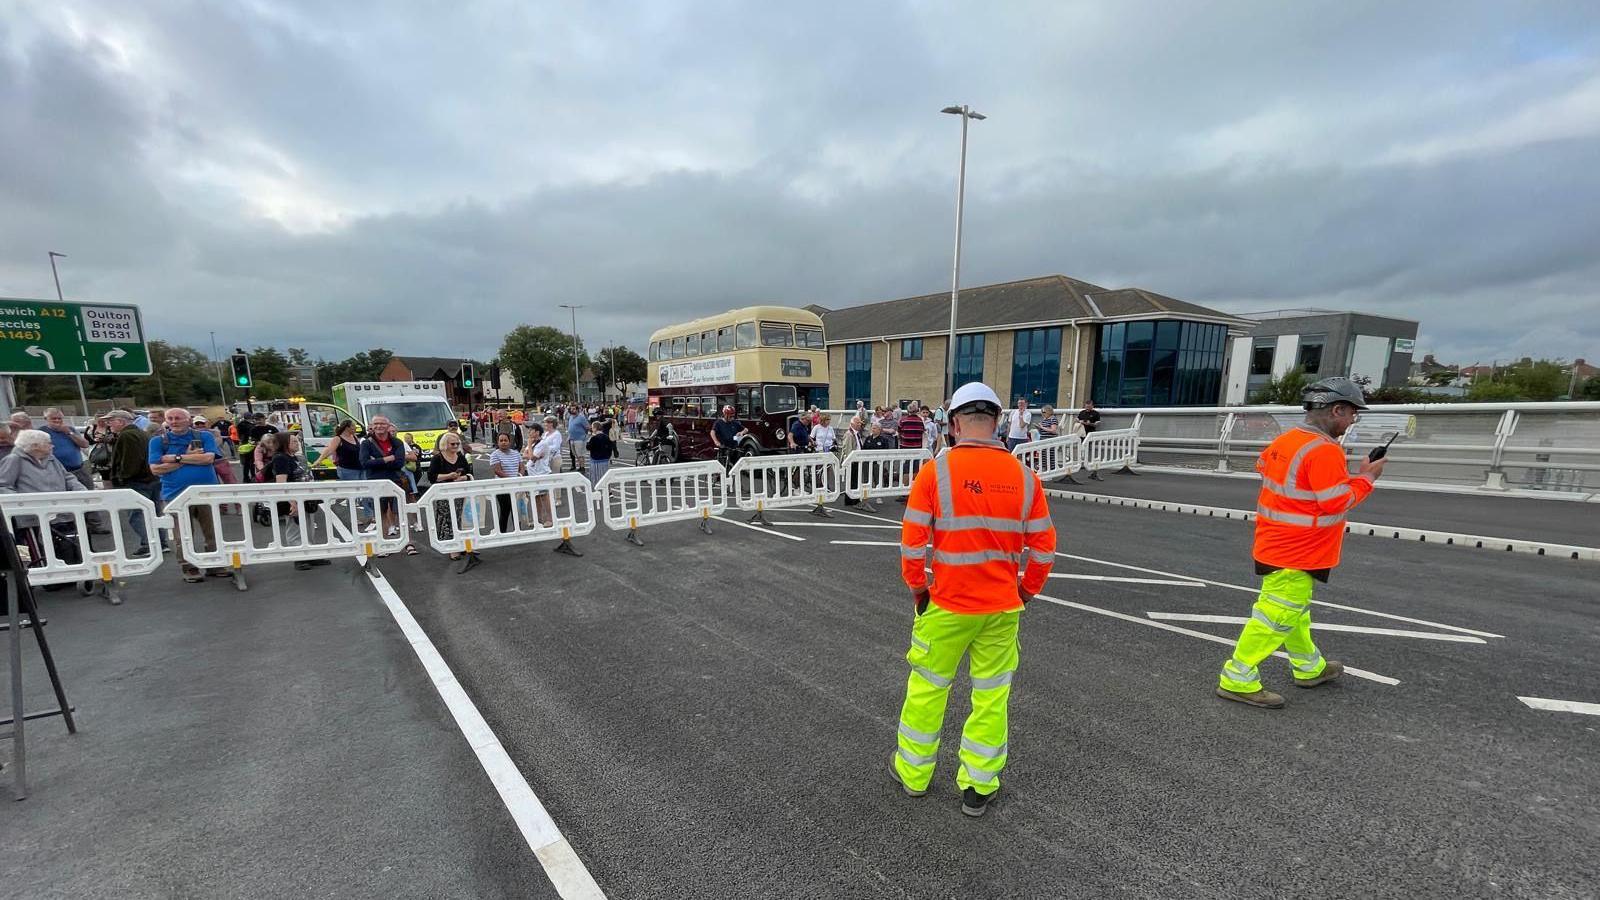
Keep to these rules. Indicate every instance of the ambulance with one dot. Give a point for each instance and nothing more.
(419, 411)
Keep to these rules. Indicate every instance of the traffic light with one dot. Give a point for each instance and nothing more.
(467, 379)
(494, 375)
(241, 369)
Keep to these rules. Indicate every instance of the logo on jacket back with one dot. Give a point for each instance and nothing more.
(973, 485)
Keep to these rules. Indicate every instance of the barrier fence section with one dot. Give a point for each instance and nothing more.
(1052, 457)
(1111, 449)
(651, 495)
(31, 517)
(760, 483)
(504, 512)
(298, 522)
(881, 473)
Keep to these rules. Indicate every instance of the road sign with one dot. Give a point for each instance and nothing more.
(44, 337)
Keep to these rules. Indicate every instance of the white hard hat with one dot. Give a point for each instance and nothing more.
(975, 393)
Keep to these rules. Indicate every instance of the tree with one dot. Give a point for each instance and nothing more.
(1543, 381)
(630, 368)
(366, 366)
(1591, 389)
(1283, 391)
(268, 364)
(1493, 392)
(299, 357)
(540, 359)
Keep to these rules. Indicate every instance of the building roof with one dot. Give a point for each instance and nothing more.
(1049, 298)
(424, 366)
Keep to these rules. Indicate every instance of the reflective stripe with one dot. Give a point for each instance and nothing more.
(1294, 492)
(993, 681)
(921, 737)
(979, 775)
(961, 523)
(923, 645)
(977, 557)
(1284, 602)
(913, 552)
(916, 759)
(1036, 526)
(984, 750)
(1266, 620)
(1305, 663)
(941, 477)
(1289, 518)
(932, 677)
(917, 517)
(1238, 672)
(1041, 556)
(1028, 478)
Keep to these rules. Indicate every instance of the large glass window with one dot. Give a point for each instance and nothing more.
(654, 350)
(969, 359)
(857, 374)
(1261, 357)
(1036, 365)
(1159, 364)
(677, 348)
(1311, 353)
(724, 339)
(779, 398)
(777, 334)
(808, 336)
(911, 349)
(694, 345)
(746, 335)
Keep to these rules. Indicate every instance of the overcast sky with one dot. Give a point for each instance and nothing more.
(424, 176)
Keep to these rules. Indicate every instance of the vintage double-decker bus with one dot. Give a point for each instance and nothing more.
(767, 362)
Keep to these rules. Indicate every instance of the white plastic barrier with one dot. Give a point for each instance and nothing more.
(324, 520)
(760, 483)
(74, 507)
(881, 473)
(650, 495)
(1052, 457)
(533, 509)
(1111, 449)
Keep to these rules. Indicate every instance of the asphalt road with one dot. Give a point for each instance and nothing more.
(713, 716)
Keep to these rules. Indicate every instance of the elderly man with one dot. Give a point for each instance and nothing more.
(20, 420)
(130, 468)
(68, 446)
(183, 456)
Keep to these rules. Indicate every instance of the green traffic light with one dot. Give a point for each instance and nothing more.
(467, 383)
(243, 381)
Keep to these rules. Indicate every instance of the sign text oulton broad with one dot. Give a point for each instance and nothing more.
(43, 337)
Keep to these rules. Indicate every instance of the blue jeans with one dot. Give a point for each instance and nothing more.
(597, 470)
(344, 474)
(1013, 443)
(152, 492)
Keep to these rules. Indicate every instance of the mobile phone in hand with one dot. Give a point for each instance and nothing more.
(1380, 452)
(195, 446)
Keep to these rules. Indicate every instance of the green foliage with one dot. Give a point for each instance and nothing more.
(540, 359)
(1590, 390)
(1543, 380)
(1403, 395)
(1487, 391)
(299, 357)
(268, 364)
(1283, 391)
(365, 366)
(631, 367)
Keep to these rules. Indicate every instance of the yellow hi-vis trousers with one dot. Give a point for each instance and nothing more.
(938, 641)
(1281, 615)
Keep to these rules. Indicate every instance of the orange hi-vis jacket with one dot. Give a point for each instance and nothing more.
(1306, 490)
(975, 514)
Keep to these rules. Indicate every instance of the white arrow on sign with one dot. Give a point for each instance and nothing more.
(114, 353)
(36, 350)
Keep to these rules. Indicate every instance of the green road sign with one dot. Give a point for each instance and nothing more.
(44, 337)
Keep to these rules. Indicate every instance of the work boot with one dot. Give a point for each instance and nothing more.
(975, 804)
(1330, 672)
(1262, 698)
(903, 786)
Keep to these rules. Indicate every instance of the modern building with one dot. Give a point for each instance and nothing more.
(303, 378)
(1052, 339)
(1321, 343)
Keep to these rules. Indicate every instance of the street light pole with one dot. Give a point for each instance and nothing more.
(82, 399)
(967, 114)
(577, 395)
(613, 355)
(216, 366)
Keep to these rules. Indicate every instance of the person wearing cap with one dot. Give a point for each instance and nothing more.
(977, 516)
(726, 432)
(130, 468)
(1306, 492)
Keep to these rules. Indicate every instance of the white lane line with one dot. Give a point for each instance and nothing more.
(1257, 590)
(868, 543)
(1323, 626)
(1571, 706)
(774, 533)
(561, 864)
(1077, 577)
(1176, 629)
(833, 525)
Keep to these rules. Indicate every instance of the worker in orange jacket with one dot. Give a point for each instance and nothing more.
(1306, 491)
(978, 517)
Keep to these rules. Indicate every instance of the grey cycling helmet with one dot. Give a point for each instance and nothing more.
(1329, 391)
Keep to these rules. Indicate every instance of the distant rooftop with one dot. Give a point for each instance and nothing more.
(1298, 312)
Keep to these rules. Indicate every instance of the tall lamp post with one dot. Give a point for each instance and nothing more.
(613, 355)
(967, 115)
(577, 396)
(53, 274)
(216, 366)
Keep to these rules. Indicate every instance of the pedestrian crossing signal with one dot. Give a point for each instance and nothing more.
(241, 369)
(467, 378)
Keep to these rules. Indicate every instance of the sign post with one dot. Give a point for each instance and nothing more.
(43, 337)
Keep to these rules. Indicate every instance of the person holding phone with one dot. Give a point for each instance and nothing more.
(1306, 492)
(183, 457)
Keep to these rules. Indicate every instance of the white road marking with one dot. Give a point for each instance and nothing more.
(1571, 706)
(1075, 576)
(1176, 629)
(1257, 590)
(833, 525)
(773, 532)
(868, 543)
(1323, 626)
(561, 864)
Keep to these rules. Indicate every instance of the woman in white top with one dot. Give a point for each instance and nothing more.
(822, 435)
(544, 452)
